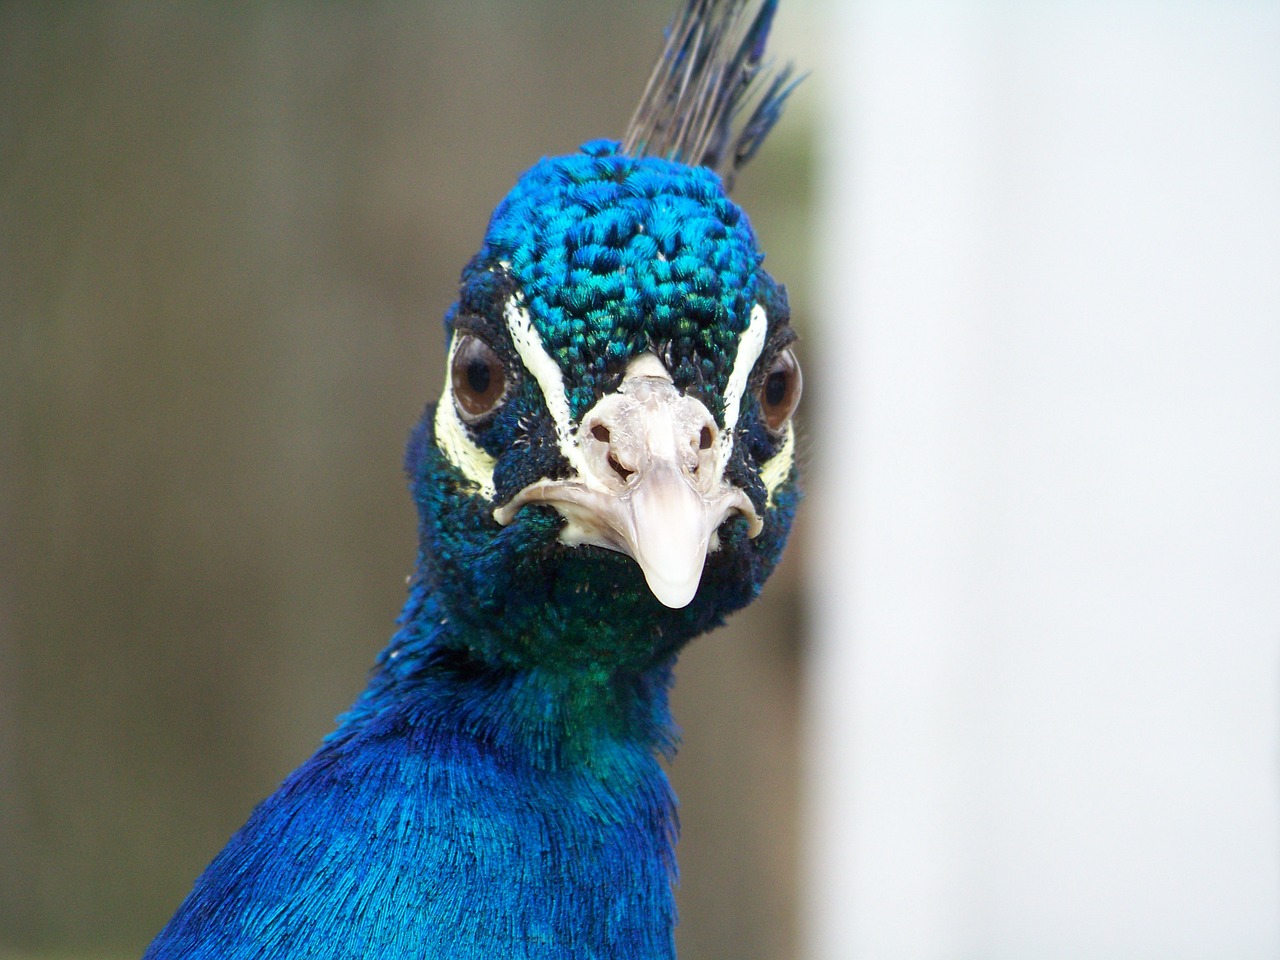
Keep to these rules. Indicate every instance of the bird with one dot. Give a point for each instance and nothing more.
(609, 472)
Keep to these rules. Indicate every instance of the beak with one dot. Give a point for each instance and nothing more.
(650, 484)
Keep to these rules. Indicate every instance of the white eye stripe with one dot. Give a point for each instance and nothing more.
(452, 439)
(749, 349)
(550, 378)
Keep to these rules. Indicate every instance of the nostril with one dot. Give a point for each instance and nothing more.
(600, 432)
(618, 468)
(705, 439)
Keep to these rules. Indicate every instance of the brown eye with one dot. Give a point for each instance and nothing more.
(780, 392)
(479, 378)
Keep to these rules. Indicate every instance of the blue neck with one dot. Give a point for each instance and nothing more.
(560, 831)
(551, 716)
(461, 810)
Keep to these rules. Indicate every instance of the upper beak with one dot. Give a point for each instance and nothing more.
(650, 484)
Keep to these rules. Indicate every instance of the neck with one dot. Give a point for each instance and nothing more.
(470, 809)
(548, 775)
(549, 715)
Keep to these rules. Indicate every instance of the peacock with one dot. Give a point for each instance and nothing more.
(609, 472)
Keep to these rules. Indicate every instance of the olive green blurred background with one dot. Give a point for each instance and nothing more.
(227, 237)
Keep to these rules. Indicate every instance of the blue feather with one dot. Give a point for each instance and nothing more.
(709, 70)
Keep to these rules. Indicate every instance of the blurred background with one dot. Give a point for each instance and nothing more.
(1020, 697)
(1043, 697)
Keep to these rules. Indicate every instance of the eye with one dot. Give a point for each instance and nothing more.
(479, 378)
(780, 393)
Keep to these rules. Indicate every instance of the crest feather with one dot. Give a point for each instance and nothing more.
(710, 68)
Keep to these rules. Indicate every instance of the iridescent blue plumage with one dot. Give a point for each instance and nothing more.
(496, 791)
(617, 254)
(445, 818)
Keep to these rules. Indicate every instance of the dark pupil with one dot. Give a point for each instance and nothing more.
(478, 376)
(775, 388)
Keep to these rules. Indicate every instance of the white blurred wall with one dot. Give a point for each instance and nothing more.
(1045, 696)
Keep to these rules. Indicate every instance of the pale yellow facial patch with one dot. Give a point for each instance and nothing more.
(456, 444)
(777, 468)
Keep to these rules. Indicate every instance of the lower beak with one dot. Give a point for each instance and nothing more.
(668, 526)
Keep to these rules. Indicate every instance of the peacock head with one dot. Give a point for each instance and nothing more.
(611, 467)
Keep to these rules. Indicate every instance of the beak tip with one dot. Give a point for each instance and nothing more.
(673, 594)
(672, 567)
